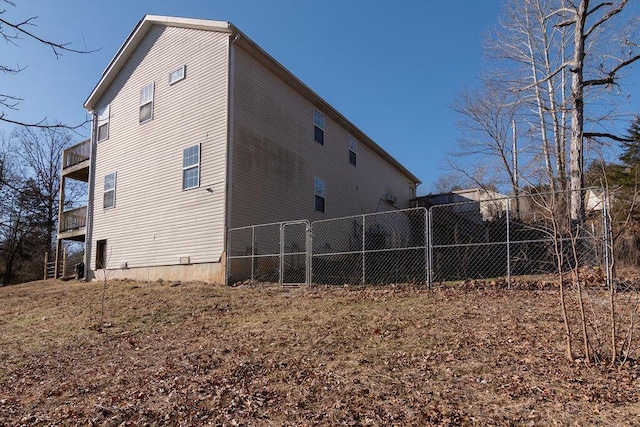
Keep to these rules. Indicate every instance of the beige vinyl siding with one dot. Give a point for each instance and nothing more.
(155, 222)
(276, 159)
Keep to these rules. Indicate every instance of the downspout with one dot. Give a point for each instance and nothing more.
(88, 237)
(229, 162)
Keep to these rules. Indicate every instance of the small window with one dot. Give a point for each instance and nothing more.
(146, 103)
(318, 126)
(320, 191)
(109, 199)
(353, 149)
(103, 123)
(101, 254)
(191, 167)
(177, 75)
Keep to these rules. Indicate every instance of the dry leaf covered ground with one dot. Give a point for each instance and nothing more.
(196, 354)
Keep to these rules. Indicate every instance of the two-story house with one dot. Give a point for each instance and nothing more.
(197, 130)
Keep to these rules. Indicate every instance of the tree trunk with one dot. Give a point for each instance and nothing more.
(576, 154)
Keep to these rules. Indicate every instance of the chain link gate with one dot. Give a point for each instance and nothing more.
(269, 253)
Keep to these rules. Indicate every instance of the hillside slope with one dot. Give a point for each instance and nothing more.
(194, 354)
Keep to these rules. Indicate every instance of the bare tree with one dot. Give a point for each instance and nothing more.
(40, 151)
(486, 118)
(555, 65)
(13, 30)
(558, 58)
(29, 197)
(16, 217)
(530, 47)
(589, 22)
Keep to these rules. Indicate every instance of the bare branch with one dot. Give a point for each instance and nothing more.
(42, 124)
(10, 102)
(603, 4)
(611, 76)
(55, 47)
(11, 70)
(607, 135)
(547, 77)
(11, 30)
(605, 17)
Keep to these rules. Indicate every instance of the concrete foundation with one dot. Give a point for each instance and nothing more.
(209, 272)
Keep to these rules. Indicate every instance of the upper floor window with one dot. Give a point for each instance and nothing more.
(103, 122)
(146, 103)
(109, 199)
(353, 150)
(320, 190)
(176, 75)
(318, 126)
(191, 167)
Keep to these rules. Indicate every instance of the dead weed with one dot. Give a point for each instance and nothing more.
(199, 354)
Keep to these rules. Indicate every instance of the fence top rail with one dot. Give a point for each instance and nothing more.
(372, 214)
(270, 224)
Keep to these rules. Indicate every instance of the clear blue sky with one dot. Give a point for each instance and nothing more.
(392, 67)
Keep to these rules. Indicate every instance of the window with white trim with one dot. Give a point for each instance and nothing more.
(109, 196)
(191, 167)
(146, 103)
(103, 122)
(320, 192)
(176, 75)
(353, 150)
(318, 127)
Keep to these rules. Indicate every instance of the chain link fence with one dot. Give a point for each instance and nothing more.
(380, 248)
(492, 237)
(528, 235)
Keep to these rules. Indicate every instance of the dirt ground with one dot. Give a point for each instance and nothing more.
(198, 354)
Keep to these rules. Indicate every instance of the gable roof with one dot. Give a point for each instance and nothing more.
(142, 28)
(136, 36)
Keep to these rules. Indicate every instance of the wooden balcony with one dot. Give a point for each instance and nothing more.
(73, 224)
(75, 161)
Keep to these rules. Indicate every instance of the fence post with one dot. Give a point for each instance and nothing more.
(46, 265)
(281, 257)
(253, 254)
(430, 249)
(309, 256)
(227, 267)
(363, 250)
(427, 244)
(508, 245)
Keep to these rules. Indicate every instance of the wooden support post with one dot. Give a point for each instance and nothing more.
(58, 248)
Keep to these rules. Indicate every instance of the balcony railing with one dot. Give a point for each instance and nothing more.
(76, 154)
(73, 219)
